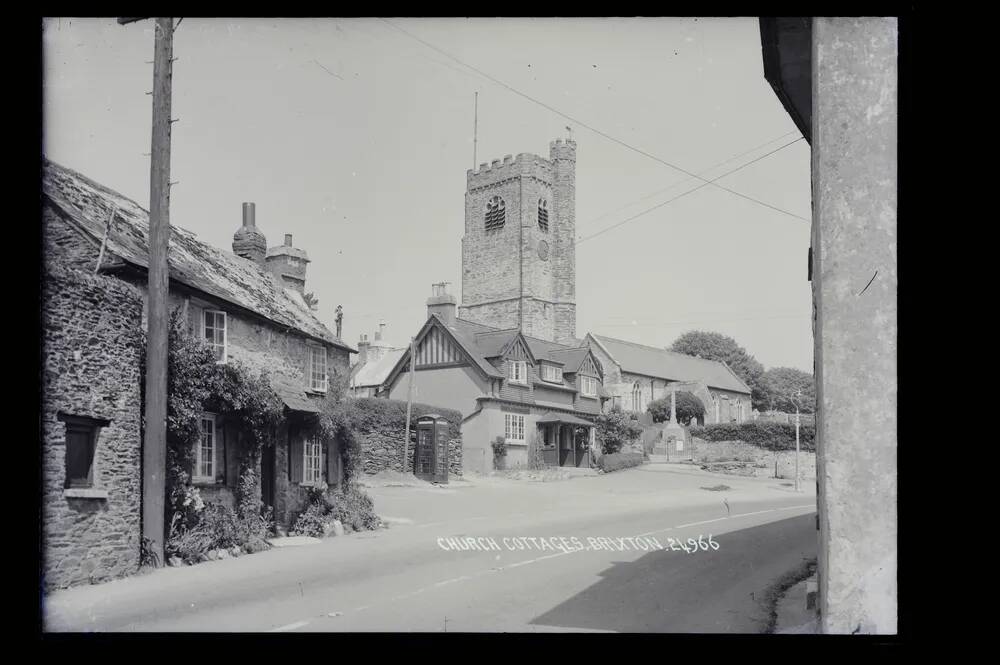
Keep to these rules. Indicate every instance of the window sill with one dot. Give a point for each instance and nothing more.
(588, 396)
(315, 391)
(518, 383)
(85, 493)
(207, 482)
(517, 444)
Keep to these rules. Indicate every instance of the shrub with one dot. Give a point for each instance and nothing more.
(536, 457)
(615, 429)
(217, 527)
(348, 504)
(312, 521)
(617, 461)
(354, 508)
(771, 436)
(688, 407)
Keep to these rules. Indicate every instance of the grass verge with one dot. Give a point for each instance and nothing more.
(777, 590)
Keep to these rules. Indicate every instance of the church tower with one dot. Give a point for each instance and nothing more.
(518, 252)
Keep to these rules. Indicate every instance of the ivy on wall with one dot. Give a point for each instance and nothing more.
(195, 384)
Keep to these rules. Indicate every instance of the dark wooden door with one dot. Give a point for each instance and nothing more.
(565, 447)
(267, 476)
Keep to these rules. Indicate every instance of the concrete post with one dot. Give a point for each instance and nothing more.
(854, 131)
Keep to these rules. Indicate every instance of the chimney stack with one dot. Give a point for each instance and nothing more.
(363, 350)
(442, 303)
(248, 241)
(288, 264)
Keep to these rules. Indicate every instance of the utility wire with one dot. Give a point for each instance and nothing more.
(681, 182)
(593, 129)
(683, 194)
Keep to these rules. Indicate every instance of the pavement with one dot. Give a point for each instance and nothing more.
(793, 616)
(411, 577)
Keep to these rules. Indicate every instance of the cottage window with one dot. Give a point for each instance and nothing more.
(543, 214)
(312, 463)
(204, 462)
(588, 386)
(318, 379)
(215, 333)
(81, 443)
(514, 427)
(519, 371)
(496, 211)
(551, 373)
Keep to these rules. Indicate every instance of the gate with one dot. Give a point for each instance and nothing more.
(431, 455)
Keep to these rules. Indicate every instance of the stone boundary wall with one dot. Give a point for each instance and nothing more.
(754, 460)
(383, 450)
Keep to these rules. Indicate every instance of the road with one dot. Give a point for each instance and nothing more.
(408, 577)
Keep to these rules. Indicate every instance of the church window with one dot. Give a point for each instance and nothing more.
(543, 214)
(496, 211)
(636, 397)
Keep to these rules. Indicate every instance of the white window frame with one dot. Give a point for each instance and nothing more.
(197, 475)
(513, 427)
(312, 449)
(225, 332)
(325, 384)
(585, 382)
(551, 373)
(523, 365)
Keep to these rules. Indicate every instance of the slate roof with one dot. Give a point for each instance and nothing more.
(663, 364)
(194, 263)
(375, 373)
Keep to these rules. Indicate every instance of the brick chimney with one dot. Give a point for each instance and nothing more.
(442, 303)
(248, 241)
(288, 264)
(363, 350)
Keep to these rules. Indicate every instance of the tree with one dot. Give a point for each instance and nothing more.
(615, 429)
(716, 346)
(781, 384)
(688, 407)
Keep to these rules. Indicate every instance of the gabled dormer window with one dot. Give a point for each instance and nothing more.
(551, 373)
(214, 333)
(588, 386)
(519, 371)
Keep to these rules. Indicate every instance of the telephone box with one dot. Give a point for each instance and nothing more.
(431, 455)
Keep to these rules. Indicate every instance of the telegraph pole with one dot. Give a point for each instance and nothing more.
(797, 394)
(409, 403)
(154, 452)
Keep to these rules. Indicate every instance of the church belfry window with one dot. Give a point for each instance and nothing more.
(496, 211)
(543, 214)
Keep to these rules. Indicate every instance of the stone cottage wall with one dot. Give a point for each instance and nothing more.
(91, 341)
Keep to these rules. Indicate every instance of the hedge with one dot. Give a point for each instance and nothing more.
(618, 461)
(767, 435)
(369, 414)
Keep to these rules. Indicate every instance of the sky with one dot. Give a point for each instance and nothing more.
(355, 137)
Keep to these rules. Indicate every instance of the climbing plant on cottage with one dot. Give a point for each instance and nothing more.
(196, 383)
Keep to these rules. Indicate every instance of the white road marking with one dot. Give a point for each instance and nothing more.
(291, 626)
